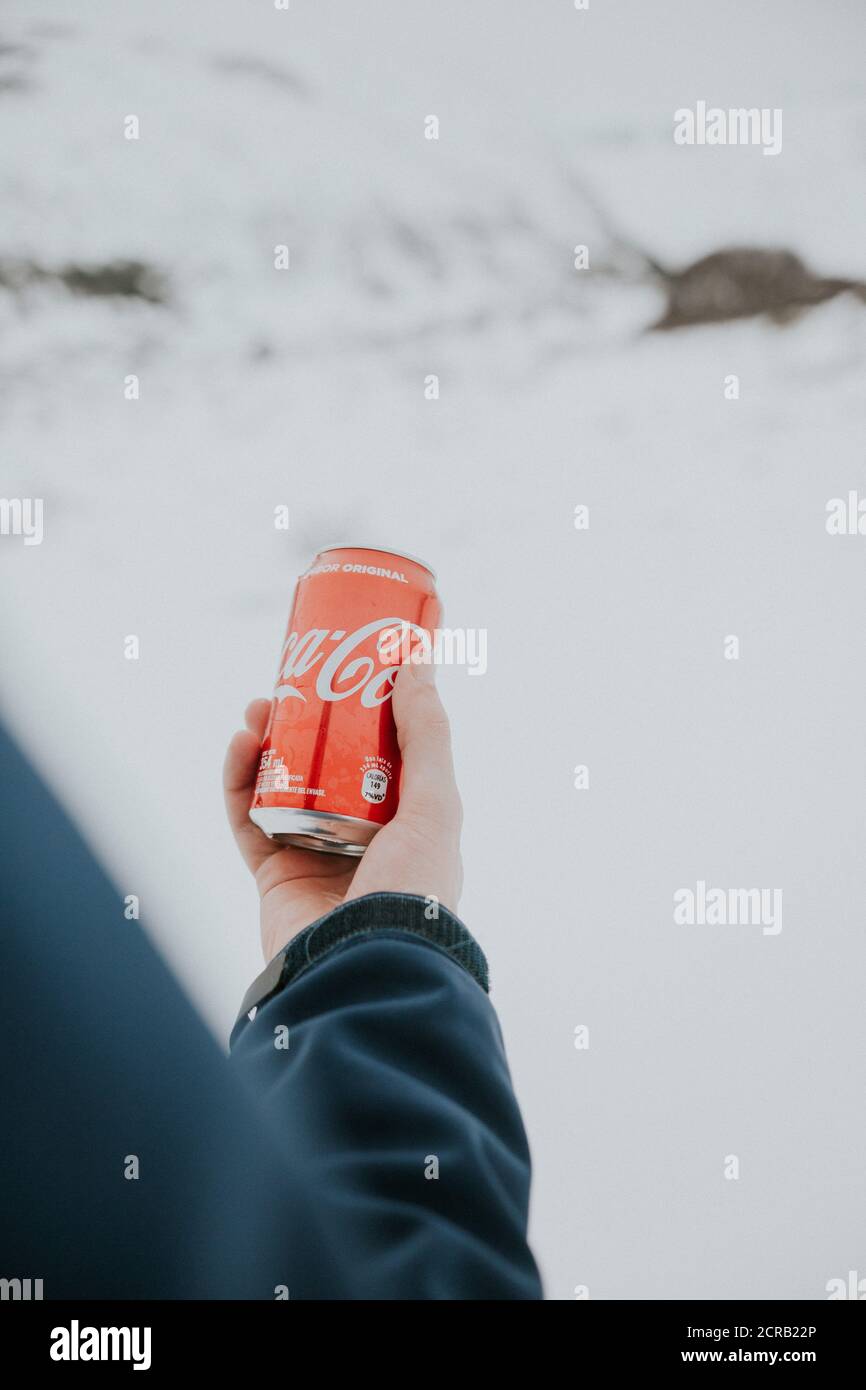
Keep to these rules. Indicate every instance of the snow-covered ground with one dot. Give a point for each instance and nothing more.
(410, 257)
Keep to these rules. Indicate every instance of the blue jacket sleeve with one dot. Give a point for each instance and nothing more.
(379, 1051)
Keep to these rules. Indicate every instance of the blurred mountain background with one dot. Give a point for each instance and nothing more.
(154, 258)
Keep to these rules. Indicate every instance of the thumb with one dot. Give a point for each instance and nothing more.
(428, 790)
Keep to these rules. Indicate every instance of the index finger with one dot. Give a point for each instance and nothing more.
(239, 777)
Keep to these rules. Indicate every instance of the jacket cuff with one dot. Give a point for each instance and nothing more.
(375, 912)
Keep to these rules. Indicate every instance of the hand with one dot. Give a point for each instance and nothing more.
(417, 852)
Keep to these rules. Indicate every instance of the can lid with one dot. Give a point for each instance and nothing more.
(382, 550)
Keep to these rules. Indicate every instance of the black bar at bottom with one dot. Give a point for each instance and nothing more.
(255, 1339)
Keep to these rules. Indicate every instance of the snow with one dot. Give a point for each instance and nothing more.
(261, 387)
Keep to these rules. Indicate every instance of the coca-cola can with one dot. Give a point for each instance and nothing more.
(329, 773)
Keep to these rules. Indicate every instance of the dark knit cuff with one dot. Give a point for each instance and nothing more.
(366, 916)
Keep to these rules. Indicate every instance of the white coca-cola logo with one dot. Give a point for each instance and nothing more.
(373, 682)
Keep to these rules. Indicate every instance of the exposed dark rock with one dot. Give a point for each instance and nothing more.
(125, 279)
(17, 61)
(744, 281)
(15, 82)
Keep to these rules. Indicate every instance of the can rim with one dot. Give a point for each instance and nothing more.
(380, 549)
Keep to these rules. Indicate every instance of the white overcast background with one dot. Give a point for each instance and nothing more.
(410, 257)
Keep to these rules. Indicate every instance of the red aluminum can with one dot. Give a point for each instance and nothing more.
(329, 774)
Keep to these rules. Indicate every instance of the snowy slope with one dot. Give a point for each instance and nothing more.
(260, 387)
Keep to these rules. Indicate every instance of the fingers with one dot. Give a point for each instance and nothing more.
(419, 850)
(256, 717)
(239, 775)
(428, 791)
